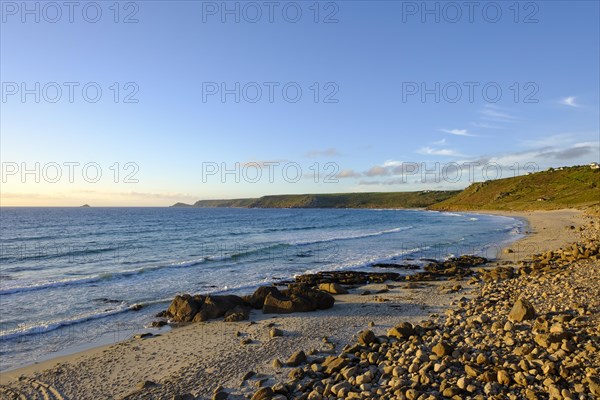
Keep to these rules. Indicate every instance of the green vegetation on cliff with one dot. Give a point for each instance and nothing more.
(341, 200)
(547, 190)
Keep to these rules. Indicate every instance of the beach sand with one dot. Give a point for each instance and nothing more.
(200, 357)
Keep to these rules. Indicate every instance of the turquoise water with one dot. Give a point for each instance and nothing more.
(70, 275)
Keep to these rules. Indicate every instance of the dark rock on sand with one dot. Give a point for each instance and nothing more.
(217, 306)
(257, 299)
(297, 298)
(184, 308)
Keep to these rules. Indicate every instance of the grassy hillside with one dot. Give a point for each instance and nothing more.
(341, 200)
(547, 190)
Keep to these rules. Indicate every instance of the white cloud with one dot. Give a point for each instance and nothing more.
(494, 113)
(439, 142)
(457, 132)
(439, 152)
(569, 101)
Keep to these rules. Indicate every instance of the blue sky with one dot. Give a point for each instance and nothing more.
(371, 62)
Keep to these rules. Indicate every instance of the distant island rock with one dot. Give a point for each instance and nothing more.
(181, 205)
(86, 206)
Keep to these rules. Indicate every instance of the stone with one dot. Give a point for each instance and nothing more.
(522, 310)
(296, 359)
(333, 288)
(471, 371)
(238, 313)
(217, 306)
(220, 395)
(257, 299)
(277, 363)
(184, 308)
(520, 379)
(185, 396)
(265, 393)
(503, 377)
(442, 349)
(274, 332)
(403, 330)
(334, 364)
(367, 337)
(339, 387)
(146, 384)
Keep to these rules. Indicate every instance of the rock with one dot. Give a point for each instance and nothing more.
(367, 337)
(296, 359)
(185, 307)
(339, 388)
(265, 393)
(257, 299)
(334, 364)
(472, 371)
(158, 324)
(238, 313)
(298, 299)
(277, 364)
(296, 374)
(220, 395)
(503, 377)
(185, 396)
(217, 306)
(442, 349)
(520, 379)
(248, 375)
(333, 288)
(274, 332)
(146, 384)
(143, 335)
(594, 384)
(522, 310)
(403, 330)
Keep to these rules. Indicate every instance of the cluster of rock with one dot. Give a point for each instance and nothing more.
(198, 308)
(531, 336)
(455, 268)
(309, 292)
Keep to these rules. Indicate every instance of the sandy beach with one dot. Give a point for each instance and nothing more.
(196, 359)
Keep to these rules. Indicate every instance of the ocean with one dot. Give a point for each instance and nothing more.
(69, 277)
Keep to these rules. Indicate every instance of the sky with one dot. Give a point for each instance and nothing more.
(148, 103)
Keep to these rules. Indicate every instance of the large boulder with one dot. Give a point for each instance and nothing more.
(257, 299)
(217, 306)
(184, 308)
(297, 299)
(279, 304)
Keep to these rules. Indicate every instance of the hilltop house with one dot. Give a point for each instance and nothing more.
(594, 165)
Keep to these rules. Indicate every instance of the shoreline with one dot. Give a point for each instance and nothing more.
(219, 340)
